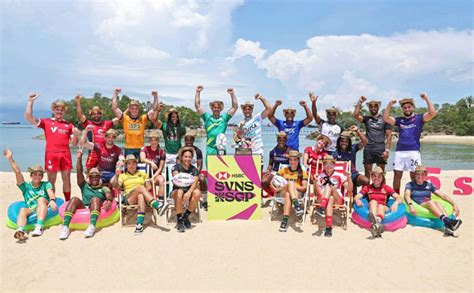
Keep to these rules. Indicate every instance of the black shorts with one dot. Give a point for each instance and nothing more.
(374, 157)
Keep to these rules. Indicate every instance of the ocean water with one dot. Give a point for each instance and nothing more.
(28, 151)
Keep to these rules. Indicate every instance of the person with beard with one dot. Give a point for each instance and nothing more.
(59, 133)
(110, 157)
(99, 128)
(93, 195)
(173, 133)
(379, 134)
(329, 128)
(133, 123)
(216, 123)
(290, 126)
(410, 126)
(252, 125)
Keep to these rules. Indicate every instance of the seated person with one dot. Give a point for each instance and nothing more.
(314, 154)
(329, 190)
(278, 157)
(185, 196)
(155, 156)
(109, 156)
(93, 195)
(420, 192)
(297, 183)
(346, 151)
(377, 195)
(197, 162)
(37, 194)
(136, 185)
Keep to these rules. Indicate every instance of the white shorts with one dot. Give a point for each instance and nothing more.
(406, 160)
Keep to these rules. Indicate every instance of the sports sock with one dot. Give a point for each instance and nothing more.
(67, 195)
(21, 228)
(187, 213)
(295, 203)
(179, 217)
(380, 216)
(324, 202)
(40, 223)
(140, 218)
(94, 217)
(67, 218)
(328, 221)
(285, 219)
(444, 218)
(155, 204)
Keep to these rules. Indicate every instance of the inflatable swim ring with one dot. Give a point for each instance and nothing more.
(392, 220)
(81, 218)
(422, 212)
(52, 217)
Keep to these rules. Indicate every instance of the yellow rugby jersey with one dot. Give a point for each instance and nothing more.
(293, 175)
(134, 130)
(130, 181)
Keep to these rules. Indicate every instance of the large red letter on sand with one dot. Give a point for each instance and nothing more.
(434, 180)
(463, 183)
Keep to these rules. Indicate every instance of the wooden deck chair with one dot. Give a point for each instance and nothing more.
(168, 199)
(345, 208)
(125, 209)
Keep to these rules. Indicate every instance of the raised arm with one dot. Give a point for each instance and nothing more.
(309, 116)
(115, 107)
(386, 114)
(80, 114)
(314, 110)
(29, 110)
(9, 155)
(197, 100)
(235, 104)
(271, 114)
(84, 141)
(266, 104)
(431, 109)
(79, 169)
(363, 139)
(76, 133)
(155, 107)
(154, 119)
(356, 113)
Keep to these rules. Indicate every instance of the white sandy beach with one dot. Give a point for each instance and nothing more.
(448, 139)
(239, 256)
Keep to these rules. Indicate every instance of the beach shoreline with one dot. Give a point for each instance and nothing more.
(246, 256)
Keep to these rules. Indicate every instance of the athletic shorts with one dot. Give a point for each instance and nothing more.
(57, 161)
(406, 160)
(106, 176)
(374, 157)
(354, 176)
(92, 160)
(135, 152)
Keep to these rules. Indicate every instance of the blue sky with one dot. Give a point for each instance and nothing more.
(283, 49)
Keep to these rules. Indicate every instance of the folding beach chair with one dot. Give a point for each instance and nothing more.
(345, 208)
(125, 209)
(168, 199)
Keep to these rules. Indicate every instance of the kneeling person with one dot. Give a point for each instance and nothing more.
(93, 195)
(188, 196)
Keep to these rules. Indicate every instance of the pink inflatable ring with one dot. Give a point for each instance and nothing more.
(81, 218)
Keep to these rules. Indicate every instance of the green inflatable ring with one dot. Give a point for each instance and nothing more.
(56, 220)
(425, 213)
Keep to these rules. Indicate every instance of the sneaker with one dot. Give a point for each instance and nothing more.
(380, 229)
(328, 232)
(139, 229)
(373, 222)
(38, 231)
(89, 231)
(448, 233)
(20, 235)
(180, 227)
(64, 233)
(186, 222)
(299, 211)
(283, 226)
(455, 223)
(162, 208)
(204, 205)
(320, 211)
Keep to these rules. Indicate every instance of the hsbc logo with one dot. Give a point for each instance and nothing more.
(222, 175)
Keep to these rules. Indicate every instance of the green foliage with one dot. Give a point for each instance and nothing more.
(187, 116)
(455, 119)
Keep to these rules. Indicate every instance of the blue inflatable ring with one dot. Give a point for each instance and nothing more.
(390, 216)
(425, 222)
(52, 217)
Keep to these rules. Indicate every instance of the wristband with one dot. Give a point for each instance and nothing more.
(53, 199)
(410, 204)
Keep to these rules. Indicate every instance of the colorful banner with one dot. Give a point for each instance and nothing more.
(234, 187)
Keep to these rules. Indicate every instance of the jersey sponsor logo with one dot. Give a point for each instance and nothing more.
(404, 126)
(53, 129)
(134, 126)
(290, 130)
